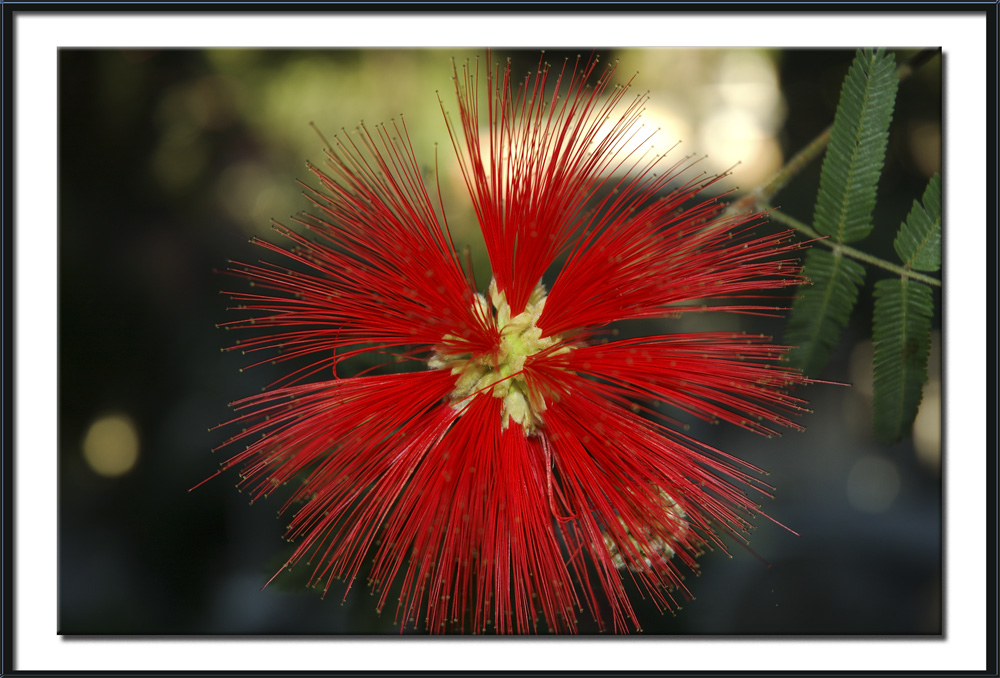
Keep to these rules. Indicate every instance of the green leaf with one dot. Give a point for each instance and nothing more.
(902, 338)
(918, 242)
(820, 314)
(854, 159)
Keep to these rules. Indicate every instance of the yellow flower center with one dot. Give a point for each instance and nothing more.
(520, 338)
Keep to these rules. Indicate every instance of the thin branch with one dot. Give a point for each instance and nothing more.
(901, 271)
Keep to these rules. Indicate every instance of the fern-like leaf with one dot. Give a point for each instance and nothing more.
(918, 242)
(820, 314)
(854, 159)
(902, 339)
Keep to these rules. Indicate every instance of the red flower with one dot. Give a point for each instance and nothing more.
(521, 471)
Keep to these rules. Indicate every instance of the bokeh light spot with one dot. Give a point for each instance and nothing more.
(927, 428)
(872, 484)
(111, 446)
(733, 134)
(925, 146)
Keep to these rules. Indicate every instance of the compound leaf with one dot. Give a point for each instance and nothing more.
(820, 314)
(854, 159)
(918, 242)
(902, 340)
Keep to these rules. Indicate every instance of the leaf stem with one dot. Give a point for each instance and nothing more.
(795, 165)
(901, 271)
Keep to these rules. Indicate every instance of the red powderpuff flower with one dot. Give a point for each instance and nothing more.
(521, 472)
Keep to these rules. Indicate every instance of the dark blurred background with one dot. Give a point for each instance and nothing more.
(171, 160)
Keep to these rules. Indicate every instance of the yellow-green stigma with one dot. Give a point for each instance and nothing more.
(520, 338)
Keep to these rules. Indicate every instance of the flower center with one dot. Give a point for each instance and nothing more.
(503, 370)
